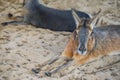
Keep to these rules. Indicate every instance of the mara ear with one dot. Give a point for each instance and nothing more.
(93, 21)
(76, 18)
(89, 24)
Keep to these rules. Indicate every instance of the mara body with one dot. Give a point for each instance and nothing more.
(80, 49)
(89, 42)
(49, 18)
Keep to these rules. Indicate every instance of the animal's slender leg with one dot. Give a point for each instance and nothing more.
(13, 23)
(48, 62)
(53, 60)
(67, 63)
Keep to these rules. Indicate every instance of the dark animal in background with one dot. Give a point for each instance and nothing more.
(48, 18)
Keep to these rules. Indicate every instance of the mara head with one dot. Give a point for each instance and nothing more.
(83, 34)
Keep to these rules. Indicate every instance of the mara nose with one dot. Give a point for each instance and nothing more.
(82, 49)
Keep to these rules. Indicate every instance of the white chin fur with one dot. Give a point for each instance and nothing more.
(79, 52)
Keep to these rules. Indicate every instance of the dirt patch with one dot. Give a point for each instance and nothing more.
(24, 47)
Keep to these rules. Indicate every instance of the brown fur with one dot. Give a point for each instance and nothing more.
(105, 39)
(88, 43)
(71, 46)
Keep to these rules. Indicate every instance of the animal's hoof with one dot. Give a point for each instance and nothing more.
(10, 15)
(48, 74)
(36, 70)
(4, 24)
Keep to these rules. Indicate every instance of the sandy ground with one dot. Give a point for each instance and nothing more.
(24, 47)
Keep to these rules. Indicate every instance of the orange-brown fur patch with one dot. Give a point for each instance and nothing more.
(70, 48)
(103, 47)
